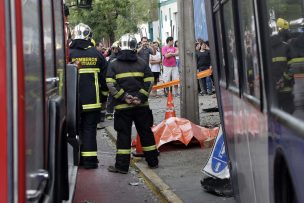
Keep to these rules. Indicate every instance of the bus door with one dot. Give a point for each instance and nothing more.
(42, 101)
(36, 175)
(54, 66)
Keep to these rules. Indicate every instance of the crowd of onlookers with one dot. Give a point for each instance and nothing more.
(165, 63)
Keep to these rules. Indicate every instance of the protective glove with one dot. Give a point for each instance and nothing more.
(136, 101)
(129, 99)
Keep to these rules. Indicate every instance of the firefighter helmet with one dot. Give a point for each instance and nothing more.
(115, 44)
(82, 31)
(282, 24)
(128, 42)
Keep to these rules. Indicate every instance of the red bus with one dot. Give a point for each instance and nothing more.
(34, 123)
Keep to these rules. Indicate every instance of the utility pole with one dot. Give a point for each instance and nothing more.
(186, 40)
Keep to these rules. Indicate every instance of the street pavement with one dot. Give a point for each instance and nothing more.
(176, 180)
(100, 186)
(180, 166)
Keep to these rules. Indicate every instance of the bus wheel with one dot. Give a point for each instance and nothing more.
(283, 186)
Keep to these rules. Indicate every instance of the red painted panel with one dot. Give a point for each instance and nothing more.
(21, 103)
(3, 112)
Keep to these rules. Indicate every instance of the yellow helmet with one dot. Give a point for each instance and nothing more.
(282, 24)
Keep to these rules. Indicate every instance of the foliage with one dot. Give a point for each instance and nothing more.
(286, 9)
(111, 18)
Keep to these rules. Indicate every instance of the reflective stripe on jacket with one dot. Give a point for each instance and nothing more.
(132, 77)
(93, 90)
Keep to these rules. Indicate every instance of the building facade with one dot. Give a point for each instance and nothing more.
(168, 20)
(167, 23)
(200, 23)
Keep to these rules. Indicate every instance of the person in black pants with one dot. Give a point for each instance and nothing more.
(110, 107)
(93, 91)
(203, 63)
(129, 79)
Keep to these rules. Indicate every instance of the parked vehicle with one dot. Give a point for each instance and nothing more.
(258, 67)
(34, 102)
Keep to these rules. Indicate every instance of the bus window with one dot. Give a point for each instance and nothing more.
(230, 44)
(59, 44)
(286, 71)
(48, 39)
(249, 49)
(221, 63)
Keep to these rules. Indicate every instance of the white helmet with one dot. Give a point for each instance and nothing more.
(128, 42)
(82, 31)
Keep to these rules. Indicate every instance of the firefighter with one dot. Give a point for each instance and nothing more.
(92, 91)
(283, 27)
(296, 69)
(110, 107)
(282, 80)
(129, 80)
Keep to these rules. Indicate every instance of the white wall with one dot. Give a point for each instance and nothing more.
(156, 32)
(144, 30)
(165, 28)
(162, 28)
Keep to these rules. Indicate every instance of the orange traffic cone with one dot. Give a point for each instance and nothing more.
(170, 112)
(139, 151)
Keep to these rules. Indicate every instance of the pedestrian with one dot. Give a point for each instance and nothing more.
(170, 69)
(202, 86)
(92, 91)
(204, 63)
(99, 47)
(129, 80)
(145, 50)
(199, 40)
(197, 46)
(110, 105)
(108, 53)
(155, 61)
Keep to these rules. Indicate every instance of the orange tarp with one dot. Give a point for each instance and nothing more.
(199, 75)
(180, 129)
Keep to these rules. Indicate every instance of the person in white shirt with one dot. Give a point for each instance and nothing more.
(155, 61)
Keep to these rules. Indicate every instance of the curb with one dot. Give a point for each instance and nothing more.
(153, 181)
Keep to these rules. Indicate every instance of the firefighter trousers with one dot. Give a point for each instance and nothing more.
(88, 131)
(143, 119)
